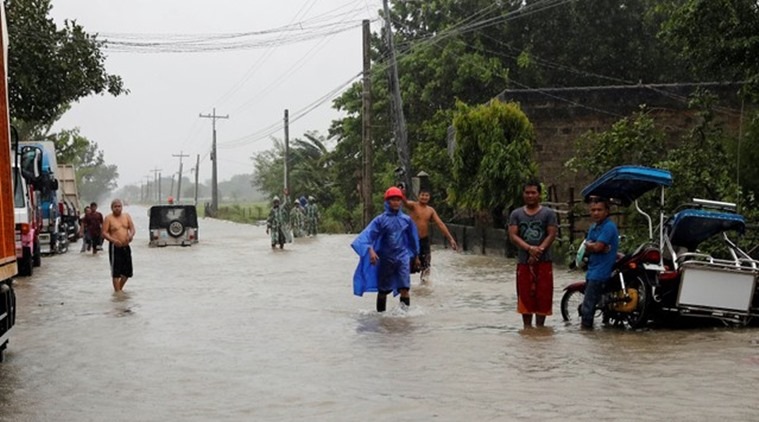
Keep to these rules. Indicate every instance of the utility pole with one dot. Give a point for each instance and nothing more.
(287, 154)
(197, 168)
(156, 172)
(160, 180)
(366, 133)
(171, 191)
(214, 158)
(401, 137)
(179, 184)
(147, 188)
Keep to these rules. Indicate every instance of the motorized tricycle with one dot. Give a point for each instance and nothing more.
(671, 278)
(627, 296)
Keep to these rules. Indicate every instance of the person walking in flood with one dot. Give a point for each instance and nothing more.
(118, 230)
(83, 232)
(312, 216)
(422, 213)
(276, 224)
(533, 228)
(297, 217)
(94, 223)
(601, 245)
(386, 248)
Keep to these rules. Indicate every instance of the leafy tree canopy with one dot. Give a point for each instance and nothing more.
(493, 155)
(50, 67)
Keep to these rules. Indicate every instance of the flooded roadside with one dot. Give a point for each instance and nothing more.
(230, 330)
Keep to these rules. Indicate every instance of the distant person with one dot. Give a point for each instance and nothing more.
(276, 224)
(170, 200)
(94, 223)
(118, 229)
(297, 219)
(533, 228)
(601, 245)
(83, 232)
(386, 247)
(312, 217)
(422, 213)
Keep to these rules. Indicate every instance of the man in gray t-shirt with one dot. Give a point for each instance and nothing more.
(533, 228)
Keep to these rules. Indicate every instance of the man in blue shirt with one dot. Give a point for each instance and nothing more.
(601, 244)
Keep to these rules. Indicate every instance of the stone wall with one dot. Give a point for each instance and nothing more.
(561, 115)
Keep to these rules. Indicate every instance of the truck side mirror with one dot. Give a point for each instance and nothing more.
(14, 138)
(31, 163)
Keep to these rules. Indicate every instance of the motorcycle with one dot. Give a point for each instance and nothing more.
(627, 297)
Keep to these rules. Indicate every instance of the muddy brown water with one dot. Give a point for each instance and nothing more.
(230, 330)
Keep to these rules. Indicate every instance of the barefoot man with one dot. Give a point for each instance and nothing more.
(118, 229)
(422, 214)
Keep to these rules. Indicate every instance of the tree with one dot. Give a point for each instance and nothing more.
(631, 141)
(493, 155)
(49, 67)
(95, 179)
(718, 38)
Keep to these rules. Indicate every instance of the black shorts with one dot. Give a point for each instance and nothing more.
(425, 255)
(121, 260)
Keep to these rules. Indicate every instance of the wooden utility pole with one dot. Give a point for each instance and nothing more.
(287, 156)
(214, 158)
(399, 121)
(179, 183)
(366, 133)
(147, 188)
(156, 174)
(197, 168)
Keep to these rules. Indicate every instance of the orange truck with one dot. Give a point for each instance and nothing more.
(8, 268)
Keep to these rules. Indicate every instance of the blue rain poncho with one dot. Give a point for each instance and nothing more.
(394, 237)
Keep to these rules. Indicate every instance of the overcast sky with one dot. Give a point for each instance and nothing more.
(160, 117)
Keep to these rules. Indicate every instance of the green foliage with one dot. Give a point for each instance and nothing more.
(308, 166)
(95, 178)
(493, 155)
(718, 38)
(49, 67)
(701, 166)
(631, 141)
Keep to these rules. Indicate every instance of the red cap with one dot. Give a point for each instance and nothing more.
(393, 192)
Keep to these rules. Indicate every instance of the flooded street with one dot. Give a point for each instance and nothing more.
(230, 330)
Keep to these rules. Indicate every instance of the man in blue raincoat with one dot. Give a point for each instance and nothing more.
(387, 247)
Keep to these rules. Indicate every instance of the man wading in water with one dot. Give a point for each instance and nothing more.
(118, 230)
(422, 214)
(533, 228)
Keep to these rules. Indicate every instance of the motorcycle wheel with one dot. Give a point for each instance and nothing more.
(570, 306)
(638, 317)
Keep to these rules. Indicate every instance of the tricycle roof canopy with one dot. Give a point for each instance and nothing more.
(690, 227)
(627, 183)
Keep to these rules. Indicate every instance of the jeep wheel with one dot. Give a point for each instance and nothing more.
(176, 228)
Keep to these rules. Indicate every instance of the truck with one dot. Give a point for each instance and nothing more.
(27, 218)
(69, 205)
(8, 266)
(53, 233)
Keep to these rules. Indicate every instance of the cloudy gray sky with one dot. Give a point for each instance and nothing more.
(181, 58)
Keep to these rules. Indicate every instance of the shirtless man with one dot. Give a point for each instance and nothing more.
(422, 214)
(118, 229)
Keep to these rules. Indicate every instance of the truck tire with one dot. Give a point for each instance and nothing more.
(36, 256)
(25, 264)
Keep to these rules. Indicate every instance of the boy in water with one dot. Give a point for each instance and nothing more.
(386, 247)
(422, 214)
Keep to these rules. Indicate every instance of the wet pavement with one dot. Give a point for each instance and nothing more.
(230, 330)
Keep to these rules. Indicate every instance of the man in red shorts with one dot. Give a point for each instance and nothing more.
(533, 228)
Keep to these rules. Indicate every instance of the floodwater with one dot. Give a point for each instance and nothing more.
(229, 330)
